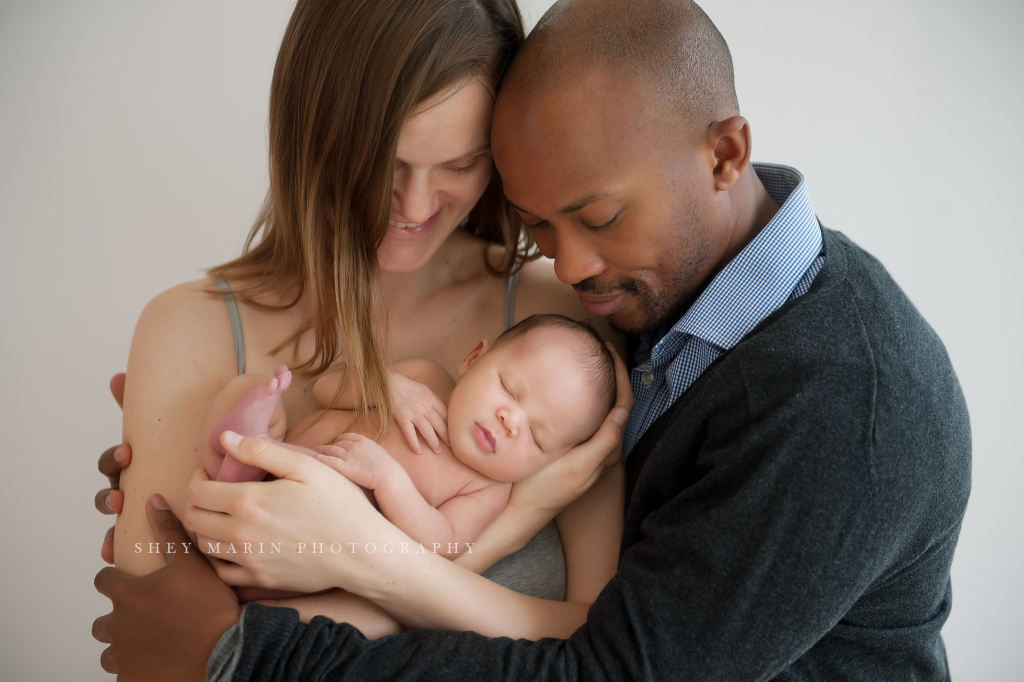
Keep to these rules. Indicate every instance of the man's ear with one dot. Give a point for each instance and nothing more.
(472, 356)
(730, 140)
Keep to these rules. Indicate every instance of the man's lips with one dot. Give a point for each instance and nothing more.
(602, 305)
(484, 437)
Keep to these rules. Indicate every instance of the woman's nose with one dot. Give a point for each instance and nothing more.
(413, 197)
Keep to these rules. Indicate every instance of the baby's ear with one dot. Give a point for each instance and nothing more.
(471, 357)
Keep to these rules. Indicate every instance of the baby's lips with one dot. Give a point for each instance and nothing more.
(485, 438)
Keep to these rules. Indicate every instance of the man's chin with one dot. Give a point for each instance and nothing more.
(636, 322)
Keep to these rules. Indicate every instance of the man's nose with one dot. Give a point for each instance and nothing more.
(575, 259)
(413, 197)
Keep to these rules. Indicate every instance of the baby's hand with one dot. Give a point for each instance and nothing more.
(360, 460)
(417, 408)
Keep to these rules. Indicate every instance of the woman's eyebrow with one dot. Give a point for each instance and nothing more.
(476, 151)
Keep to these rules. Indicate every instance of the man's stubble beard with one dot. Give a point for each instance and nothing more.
(663, 306)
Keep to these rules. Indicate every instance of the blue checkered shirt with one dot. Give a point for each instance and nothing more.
(778, 265)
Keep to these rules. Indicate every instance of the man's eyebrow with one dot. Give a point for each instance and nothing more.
(472, 152)
(574, 206)
(585, 201)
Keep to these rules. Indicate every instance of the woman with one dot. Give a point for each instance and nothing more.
(384, 236)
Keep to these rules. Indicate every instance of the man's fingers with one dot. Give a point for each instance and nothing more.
(266, 455)
(107, 662)
(99, 629)
(107, 579)
(170, 534)
(113, 460)
(109, 501)
(107, 549)
(623, 391)
(117, 388)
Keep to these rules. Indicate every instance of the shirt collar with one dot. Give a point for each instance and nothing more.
(758, 280)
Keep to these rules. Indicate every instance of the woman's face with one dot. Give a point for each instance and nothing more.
(442, 168)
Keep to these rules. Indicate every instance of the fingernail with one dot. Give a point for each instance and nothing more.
(231, 438)
(620, 416)
(119, 454)
(159, 502)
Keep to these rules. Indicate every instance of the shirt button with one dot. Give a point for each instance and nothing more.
(647, 377)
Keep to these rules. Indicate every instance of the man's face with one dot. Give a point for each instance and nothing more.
(622, 199)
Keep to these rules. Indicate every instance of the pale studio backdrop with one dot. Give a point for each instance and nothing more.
(133, 154)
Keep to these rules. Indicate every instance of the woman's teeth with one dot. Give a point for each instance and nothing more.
(403, 226)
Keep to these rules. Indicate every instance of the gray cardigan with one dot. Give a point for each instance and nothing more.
(792, 516)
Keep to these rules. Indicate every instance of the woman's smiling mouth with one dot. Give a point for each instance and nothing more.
(484, 437)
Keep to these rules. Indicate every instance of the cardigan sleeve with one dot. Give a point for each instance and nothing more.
(713, 586)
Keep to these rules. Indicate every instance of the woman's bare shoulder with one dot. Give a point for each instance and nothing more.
(181, 356)
(540, 291)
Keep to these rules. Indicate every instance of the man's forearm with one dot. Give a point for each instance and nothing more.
(277, 647)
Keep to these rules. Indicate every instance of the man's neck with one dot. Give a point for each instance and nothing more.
(753, 210)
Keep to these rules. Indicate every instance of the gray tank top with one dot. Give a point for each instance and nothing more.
(538, 569)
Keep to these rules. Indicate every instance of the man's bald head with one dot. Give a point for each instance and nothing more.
(669, 46)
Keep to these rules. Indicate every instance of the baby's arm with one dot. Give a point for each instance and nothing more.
(449, 529)
(419, 390)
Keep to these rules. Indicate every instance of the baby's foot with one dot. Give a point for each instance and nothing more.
(252, 417)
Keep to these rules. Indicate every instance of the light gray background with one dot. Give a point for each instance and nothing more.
(132, 154)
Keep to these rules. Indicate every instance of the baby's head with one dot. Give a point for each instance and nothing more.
(542, 387)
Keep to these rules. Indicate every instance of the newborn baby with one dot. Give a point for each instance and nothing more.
(542, 387)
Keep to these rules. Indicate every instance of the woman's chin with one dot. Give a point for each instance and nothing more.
(401, 258)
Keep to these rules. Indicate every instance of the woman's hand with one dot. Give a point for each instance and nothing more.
(417, 408)
(321, 521)
(554, 487)
(112, 461)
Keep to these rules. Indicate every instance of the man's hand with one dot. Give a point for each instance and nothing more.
(556, 485)
(164, 625)
(112, 461)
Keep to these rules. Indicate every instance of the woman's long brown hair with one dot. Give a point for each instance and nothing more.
(349, 74)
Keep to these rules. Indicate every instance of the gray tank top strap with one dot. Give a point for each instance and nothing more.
(510, 301)
(236, 322)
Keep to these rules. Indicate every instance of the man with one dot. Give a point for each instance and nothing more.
(798, 457)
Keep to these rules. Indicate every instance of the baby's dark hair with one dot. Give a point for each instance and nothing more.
(594, 355)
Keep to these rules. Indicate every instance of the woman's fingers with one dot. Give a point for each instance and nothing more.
(265, 454)
(233, 574)
(214, 526)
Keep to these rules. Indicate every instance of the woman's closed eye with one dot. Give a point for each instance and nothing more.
(463, 166)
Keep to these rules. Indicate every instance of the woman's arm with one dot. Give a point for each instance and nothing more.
(181, 356)
(420, 590)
